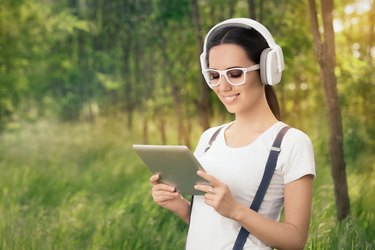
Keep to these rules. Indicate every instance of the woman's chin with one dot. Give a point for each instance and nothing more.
(230, 109)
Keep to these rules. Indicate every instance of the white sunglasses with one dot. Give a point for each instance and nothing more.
(234, 76)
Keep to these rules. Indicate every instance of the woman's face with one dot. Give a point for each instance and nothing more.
(237, 99)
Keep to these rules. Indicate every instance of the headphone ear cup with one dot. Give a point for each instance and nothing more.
(263, 65)
(268, 67)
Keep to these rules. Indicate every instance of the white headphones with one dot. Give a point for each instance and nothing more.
(271, 59)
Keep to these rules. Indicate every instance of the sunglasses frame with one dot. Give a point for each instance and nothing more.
(224, 73)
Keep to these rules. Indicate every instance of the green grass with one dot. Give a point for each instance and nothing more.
(80, 186)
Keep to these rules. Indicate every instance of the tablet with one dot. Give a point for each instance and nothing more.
(176, 165)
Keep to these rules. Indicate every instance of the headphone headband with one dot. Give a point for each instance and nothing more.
(248, 24)
(244, 23)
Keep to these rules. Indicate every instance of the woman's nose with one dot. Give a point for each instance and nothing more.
(224, 84)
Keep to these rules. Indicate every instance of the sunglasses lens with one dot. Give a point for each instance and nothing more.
(214, 77)
(235, 76)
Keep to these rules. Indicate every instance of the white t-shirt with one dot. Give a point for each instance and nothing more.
(241, 169)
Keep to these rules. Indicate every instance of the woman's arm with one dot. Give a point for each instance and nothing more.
(290, 234)
(293, 232)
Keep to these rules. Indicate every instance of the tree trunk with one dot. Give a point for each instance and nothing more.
(232, 4)
(203, 102)
(260, 12)
(176, 94)
(145, 130)
(178, 107)
(187, 134)
(252, 11)
(126, 74)
(162, 129)
(325, 52)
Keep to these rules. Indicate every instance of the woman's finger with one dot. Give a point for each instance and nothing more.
(162, 199)
(163, 187)
(203, 188)
(165, 194)
(212, 180)
(154, 179)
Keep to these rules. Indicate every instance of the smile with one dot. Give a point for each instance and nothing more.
(230, 98)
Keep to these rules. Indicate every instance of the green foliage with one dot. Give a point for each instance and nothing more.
(355, 232)
(72, 60)
(122, 55)
(80, 186)
(170, 10)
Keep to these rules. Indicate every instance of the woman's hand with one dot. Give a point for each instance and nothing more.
(164, 195)
(218, 196)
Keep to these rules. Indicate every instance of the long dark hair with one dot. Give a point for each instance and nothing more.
(253, 43)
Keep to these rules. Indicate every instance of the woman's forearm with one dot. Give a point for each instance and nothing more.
(293, 232)
(183, 210)
(276, 234)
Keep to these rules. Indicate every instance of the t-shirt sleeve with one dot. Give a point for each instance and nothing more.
(298, 156)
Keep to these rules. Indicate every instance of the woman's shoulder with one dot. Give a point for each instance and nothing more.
(210, 131)
(206, 137)
(296, 140)
(297, 155)
(297, 136)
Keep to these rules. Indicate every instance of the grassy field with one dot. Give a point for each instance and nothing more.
(80, 186)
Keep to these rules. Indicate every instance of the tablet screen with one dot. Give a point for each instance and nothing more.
(176, 165)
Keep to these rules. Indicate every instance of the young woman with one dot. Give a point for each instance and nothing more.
(240, 61)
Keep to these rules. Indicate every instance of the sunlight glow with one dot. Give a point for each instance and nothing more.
(337, 25)
(360, 7)
(355, 50)
(304, 86)
(292, 86)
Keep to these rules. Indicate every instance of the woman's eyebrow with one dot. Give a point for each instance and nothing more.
(228, 68)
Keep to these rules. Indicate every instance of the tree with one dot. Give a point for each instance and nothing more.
(326, 56)
(203, 105)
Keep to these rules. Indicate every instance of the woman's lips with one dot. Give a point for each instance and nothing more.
(230, 98)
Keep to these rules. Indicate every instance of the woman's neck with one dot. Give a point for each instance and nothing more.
(246, 128)
(257, 119)
(254, 125)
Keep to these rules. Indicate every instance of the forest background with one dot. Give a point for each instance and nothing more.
(82, 80)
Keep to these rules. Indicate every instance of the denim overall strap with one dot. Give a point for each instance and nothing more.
(266, 179)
